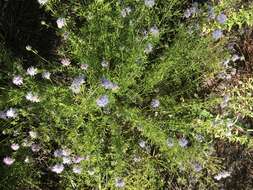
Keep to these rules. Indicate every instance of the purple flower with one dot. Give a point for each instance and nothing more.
(14, 147)
(32, 71)
(17, 80)
(66, 160)
(35, 147)
(11, 113)
(58, 153)
(149, 48)
(155, 103)
(8, 161)
(217, 34)
(119, 182)
(183, 142)
(61, 22)
(197, 167)
(222, 18)
(32, 97)
(65, 62)
(46, 75)
(102, 101)
(107, 84)
(77, 169)
(58, 168)
(187, 13)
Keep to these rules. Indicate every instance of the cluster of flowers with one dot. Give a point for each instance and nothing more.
(68, 159)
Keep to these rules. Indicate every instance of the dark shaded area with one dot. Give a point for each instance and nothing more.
(239, 160)
(20, 25)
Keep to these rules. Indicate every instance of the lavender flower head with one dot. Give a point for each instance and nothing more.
(46, 75)
(76, 84)
(61, 22)
(58, 168)
(58, 153)
(32, 97)
(14, 146)
(197, 167)
(149, 3)
(35, 147)
(119, 182)
(102, 101)
(222, 18)
(77, 169)
(155, 103)
(65, 62)
(32, 71)
(183, 142)
(8, 161)
(217, 34)
(11, 113)
(107, 84)
(17, 80)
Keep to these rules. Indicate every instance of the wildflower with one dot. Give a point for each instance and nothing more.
(102, 101)
(33, 134)
(77, 169)
(126, 11)
(11, 113)
(61, 22)
(106, 83)
(222, 18)
(170, 142)
(119, 182)
(65, 62)
(105, 63)
(58, 168)
(149, 3)
(199, 138)
(58, 153)
(32, 71)
(8, 161)
(66, 160)
(149, 48)
(17, 80)
(142, 144)
(28, 48)
(183, 142)
(77, 159)
(217, 34)
(32, 97)
(211, 13)
(76, 84)
(42, 2)
(155, 103)
(84, 66)
(46, 75)
(197, 167)
(35, 147)
(14, 147)
(66, 152)
(154, 31)
(223, 174)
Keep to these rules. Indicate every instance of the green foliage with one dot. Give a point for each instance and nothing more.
(147, 146)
